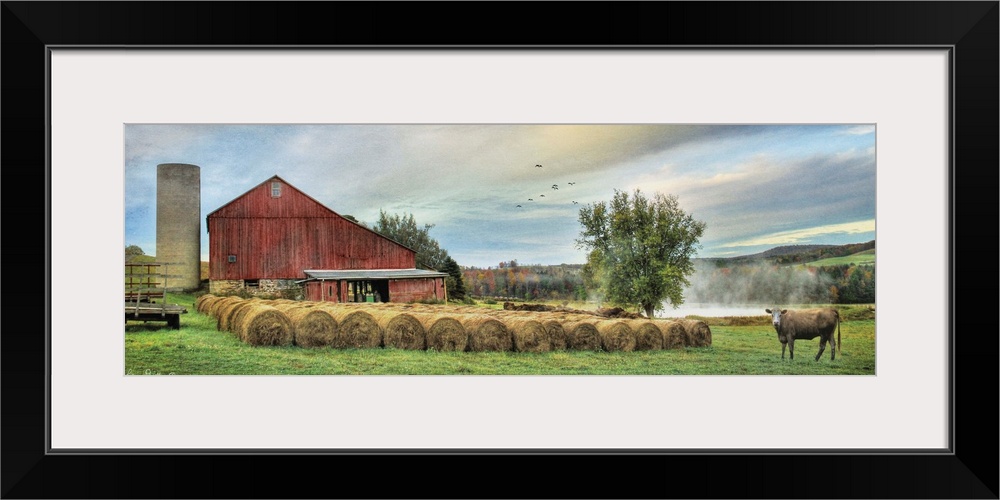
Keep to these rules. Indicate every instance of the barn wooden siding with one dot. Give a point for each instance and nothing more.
(318, 291)
(416, 289)
(280, 237)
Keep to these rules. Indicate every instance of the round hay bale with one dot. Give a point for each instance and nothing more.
(616, 336)
(357, 328)
(558, 338)
(428, 308)
(285, 307)
(486, 333)
(199, 303)
(203, 305)
(698, 332)
(647, 335)
(674, 335)
(313, 327)
(215, 309)
(444, 333)
(401, 330)
(236, 321)
(582, 336)
(529, 335)
(263, 325)
(228, 313)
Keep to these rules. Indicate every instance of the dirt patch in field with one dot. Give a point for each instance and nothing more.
(611, 312)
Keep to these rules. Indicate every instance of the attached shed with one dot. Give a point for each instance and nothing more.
(264, 240)
(377, 285)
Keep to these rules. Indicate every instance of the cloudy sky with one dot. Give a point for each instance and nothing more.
(755, 187)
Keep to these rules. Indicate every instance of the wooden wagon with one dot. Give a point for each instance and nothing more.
(145, 294)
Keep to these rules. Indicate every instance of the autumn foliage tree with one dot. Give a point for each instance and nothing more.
(640, 248)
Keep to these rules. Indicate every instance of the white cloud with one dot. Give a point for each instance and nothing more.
(798, 236)
(860, 130)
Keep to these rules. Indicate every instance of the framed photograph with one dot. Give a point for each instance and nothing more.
(910, 88)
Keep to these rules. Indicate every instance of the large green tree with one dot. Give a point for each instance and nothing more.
(639, 249)
(404, 229)
(454, 281)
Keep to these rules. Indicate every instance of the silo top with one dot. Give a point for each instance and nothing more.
(177, 165)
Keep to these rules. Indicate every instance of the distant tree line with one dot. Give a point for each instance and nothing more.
(528, 282)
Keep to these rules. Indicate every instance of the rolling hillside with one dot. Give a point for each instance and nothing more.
(864, 258)
(814, 255)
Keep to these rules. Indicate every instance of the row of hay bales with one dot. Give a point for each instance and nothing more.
(443, 328)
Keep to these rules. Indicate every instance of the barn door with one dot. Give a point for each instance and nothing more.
(381, 288)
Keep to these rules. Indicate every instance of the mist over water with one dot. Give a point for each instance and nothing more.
(712, 310)
(746, 290)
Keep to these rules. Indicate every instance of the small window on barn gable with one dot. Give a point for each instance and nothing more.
(232, 258)
(275, 190)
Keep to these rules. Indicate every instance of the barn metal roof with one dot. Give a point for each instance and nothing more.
(314, 200)
(370, 274)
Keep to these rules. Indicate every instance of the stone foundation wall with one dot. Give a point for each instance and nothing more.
(273, 288)
(224, 287)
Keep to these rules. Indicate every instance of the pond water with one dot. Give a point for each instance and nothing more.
(712, 310)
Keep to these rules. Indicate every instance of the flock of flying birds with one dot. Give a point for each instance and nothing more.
(554, 187)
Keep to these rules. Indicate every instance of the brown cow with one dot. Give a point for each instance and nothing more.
(806, 324)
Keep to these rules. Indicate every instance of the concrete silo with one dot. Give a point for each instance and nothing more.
(178, 223)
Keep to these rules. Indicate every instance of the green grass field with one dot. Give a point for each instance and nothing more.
(199, 349)
(866, 257)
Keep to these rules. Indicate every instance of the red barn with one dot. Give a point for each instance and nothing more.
(276, 239)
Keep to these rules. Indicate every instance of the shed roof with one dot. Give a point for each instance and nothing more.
(369, 274)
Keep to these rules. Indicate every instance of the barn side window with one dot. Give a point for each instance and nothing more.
(232, 258)
(251, 283)
(275, 190)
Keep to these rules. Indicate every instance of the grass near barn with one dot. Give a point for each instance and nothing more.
(739, 347)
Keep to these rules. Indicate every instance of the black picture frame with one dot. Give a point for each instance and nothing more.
(969, 28)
